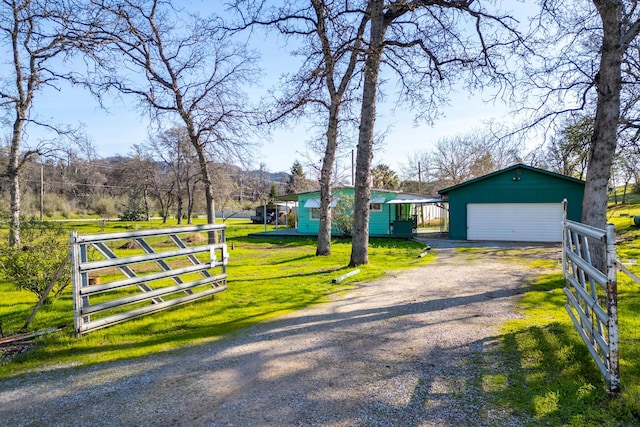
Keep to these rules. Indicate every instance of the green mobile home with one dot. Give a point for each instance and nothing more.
(519, 203)
(391, 213)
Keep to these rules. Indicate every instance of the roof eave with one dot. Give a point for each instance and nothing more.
(445, 191)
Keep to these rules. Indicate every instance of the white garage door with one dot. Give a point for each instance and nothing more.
(524, 222)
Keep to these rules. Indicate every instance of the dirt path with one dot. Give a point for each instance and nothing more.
(396, 351)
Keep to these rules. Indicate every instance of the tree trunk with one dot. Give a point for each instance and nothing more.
(190, 196)
(179, 208)
(13, 170)
(603, 142)
(146, 204)
(208, 187)
(326, 176)
(164, 206)
(364, 157)
(14, 220)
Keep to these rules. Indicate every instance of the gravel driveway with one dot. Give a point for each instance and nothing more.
(398, 351)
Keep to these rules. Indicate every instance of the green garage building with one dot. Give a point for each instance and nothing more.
(519, 203)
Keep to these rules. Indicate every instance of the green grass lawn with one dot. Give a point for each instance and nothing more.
(541, 366)
(267, 276)
(537, 366)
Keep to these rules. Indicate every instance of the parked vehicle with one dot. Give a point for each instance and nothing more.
(258, 218)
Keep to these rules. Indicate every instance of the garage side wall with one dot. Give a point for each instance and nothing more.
(513, 186)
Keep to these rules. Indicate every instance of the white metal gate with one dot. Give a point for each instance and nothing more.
(119, 276)
(592, 295)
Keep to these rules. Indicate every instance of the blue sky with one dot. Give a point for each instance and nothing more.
(116, 130)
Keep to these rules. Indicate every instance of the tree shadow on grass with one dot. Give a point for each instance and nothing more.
(539, 375)
(369, 338)
(547, 372)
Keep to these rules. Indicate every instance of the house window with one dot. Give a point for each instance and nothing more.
(315, 214)
(375, 207)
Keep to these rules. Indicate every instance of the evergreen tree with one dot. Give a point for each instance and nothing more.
(297, 181)
(384, 177)
(135, 209)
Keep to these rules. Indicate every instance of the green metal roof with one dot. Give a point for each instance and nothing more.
(510, 168)
(400, 198)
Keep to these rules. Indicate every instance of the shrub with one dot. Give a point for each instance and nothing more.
(106, 206)
(60, 205)
(135, 209)
(343, 215)
(33, 265)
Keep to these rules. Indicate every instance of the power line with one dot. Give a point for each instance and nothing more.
(80, 184)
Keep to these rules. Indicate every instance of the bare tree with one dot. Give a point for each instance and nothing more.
(348, 44)
(228, 192)
(162, 188)
(630, 95)
(452, 163)
(417, 173)
(568, 153)
(155, 178)
(182, 68)
(88, 179)
(36, 35)
(626, 164)
(173, 150)
(257, 183)
(428, 44)
(140, 171)
(595, 41)
(121, 174)
(332, 35)
(465, 156)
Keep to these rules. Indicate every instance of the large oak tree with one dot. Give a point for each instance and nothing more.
(592, 69)
(620, 27)
(330, 36)
(37, 36)
(429, 44)
(183, 69)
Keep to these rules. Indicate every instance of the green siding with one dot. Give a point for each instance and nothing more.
(378, 221)
(531, 187)
(305, 224)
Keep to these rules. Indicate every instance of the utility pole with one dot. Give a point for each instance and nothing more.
(420, 192)
(353, 179)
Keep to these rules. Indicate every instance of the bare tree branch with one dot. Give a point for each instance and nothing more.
(181, 68)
